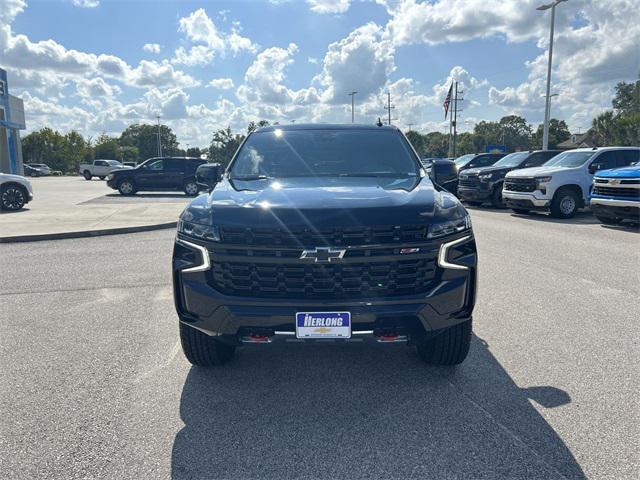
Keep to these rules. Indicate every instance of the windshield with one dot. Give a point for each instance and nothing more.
(114, 162)
(569, 159)
(512, 160)
(464, 159)
(301, 153)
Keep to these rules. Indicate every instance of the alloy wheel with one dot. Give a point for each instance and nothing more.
(13, 199)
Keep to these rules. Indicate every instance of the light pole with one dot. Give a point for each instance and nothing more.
(547, 107)
(352, 94)
(159, 137)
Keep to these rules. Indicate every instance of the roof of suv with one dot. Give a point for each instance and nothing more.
(600, 149)
(325, 126)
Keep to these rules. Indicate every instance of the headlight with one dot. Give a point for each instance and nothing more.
(449, 227)
(485, 177)
(210, 233)
(541, 180)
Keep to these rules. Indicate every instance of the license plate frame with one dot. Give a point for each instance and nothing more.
(319, 325)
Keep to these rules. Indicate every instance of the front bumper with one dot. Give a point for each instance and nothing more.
(112, 183)
(449, 301)
(477, 194)
(616, 208)
(525, 200)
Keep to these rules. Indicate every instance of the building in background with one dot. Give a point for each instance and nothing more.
(11, 122)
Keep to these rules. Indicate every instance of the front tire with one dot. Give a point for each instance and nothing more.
(564, 204)
(191, 188)
(126, 187)
(609, 220)
(450, 347)
(202, 350)
(496, 197)
(12, 198)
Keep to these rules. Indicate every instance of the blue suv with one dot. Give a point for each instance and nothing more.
(616, 195)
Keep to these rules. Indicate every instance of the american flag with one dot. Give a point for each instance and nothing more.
(447, 101)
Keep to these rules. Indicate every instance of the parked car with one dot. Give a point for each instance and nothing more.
(15, 192)
(616, 195)
(43, 168)
(478, 185)
(336, 232)
(30, 171)
(476, 160)
(562, 185)
(100, 168)
(130, 164)
(167, 173)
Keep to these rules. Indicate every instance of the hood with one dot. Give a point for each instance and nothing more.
(474, 172)
(324, 202)
(6, 177)
(538, 171)
(624, 172)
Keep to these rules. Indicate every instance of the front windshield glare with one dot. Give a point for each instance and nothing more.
(569, 159)
(511, 160)
(298, 153)
(464, 159)
(114, 162)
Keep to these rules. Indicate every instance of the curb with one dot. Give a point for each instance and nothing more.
(86, 233)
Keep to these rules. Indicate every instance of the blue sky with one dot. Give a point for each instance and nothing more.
(97, 66)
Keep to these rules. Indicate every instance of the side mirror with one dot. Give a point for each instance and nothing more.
(208, 174)
(443, 172)
(593, 168)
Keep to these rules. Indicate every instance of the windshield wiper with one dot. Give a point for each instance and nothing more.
(249, 177)
(377, 175)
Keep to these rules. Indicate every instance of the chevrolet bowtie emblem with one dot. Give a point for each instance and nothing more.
(614, 182)
(322, 330)
(323, 254)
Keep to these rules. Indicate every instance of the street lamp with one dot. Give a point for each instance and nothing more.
(352, 94)
(547, 107)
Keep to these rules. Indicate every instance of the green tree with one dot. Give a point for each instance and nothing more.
(107, 147)
(417, 141)
(223, 145)
(194, 152)
(253, 125)
(558, 133)
(75, 150)
(45, 146)
(627, 98)
(145, 138)
(603, 128)
(516, 133)
(129, 154)
(436, 144)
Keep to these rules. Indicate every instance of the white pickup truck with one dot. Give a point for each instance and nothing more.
(563, 184)
(100, 168)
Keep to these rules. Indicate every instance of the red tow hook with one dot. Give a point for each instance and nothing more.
(256, 338)
(391, 338)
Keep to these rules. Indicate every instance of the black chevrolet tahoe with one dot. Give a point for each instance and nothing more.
(478, 185)
(161, 173)
(324, 232)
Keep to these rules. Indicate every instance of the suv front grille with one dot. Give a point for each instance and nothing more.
(301, 281)
(307, 237)
(469, 182)
(520, 184)
(616, 191)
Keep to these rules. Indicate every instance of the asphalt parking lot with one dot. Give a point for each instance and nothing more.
(93, 383)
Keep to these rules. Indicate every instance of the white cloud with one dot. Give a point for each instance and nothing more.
(444, 21)
(221, 83)
(362, 61)
(86, 3)
(198, 27)
(152, 47)
(96, 87)
(210, 42)
(312, 60)
(329, 6)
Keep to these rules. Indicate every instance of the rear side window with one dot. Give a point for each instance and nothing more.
(174, 165)
(606, 160)
(537, 159)
(628, 157)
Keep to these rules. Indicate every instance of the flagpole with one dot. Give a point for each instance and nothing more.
(455, 118)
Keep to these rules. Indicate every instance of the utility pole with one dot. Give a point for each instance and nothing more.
(389, 107)
(352, 94)
(159, 137)
(454, 116)
(410, 125)
(547, 106)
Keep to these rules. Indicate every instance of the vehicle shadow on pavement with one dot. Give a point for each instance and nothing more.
(365, 411)
(6, 212)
